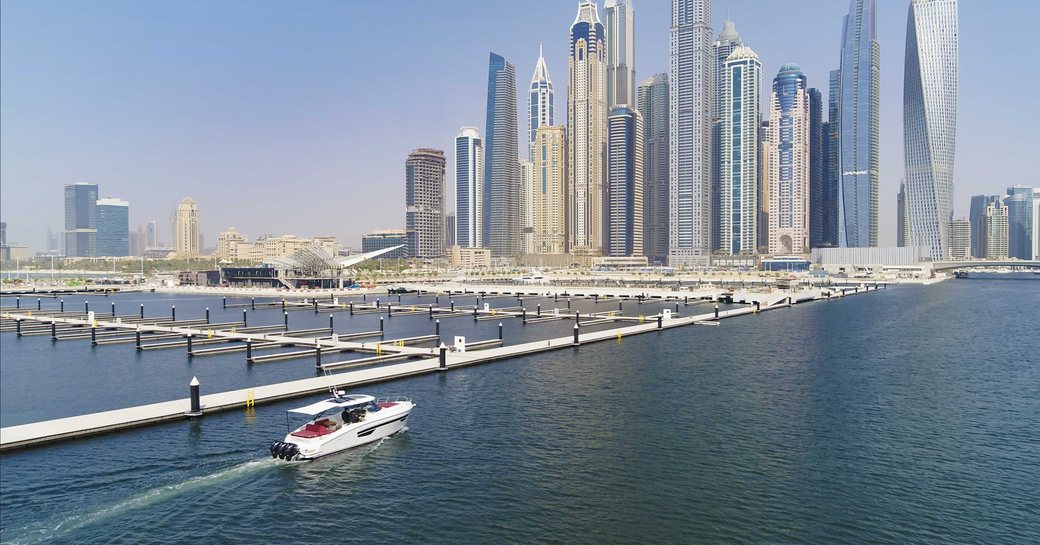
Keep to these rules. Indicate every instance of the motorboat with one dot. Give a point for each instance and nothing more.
(339, 423)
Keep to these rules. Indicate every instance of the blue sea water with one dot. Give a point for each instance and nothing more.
(909, 415)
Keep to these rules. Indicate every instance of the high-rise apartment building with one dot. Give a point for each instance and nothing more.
(586, 131)
(724, 44)
(113, 228)
(960, 239)
(227, 242)
(540, 109)
(653, 107)
(620, 26)
(624, 198)
(549, 199)
(1036, 223)
(741, 119)
(830, 196)
(150, 229)
(995, 230)
(977, 217)
(1020, 206)
(449, 231)
(424, 202)
(501, 215)
(187, 236)
(930, 121)
(81, 219)
(817, 168)
(789, 130)
(469, 188)
(858, 140)
(902, 229)
(765, 151)
(689, 156)
(527, 190)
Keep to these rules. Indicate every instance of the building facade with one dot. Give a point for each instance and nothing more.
(586, 131)
(540, 100)
(620, 27)
(902, 230)
(723, 46)
(995, 230)
(960, 239)
(113, 228)
(624, 198)
(228, 242)
(469, 188)
(977, 215)
(831, 195)
(81, 220)
(765, 151)
(501, 219)
(789, 163)
(424, 203)
(858, 139)
(549, 198)
(187, 238)
(930, 121)
(527, 190)
(817, 168)
(653, 107)
(382, 239)
(1020, 206)
(738, 190)
(689, 141)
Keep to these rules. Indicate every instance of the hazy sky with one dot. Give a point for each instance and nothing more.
(281, 117)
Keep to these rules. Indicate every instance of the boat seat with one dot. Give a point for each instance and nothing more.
(312, 430)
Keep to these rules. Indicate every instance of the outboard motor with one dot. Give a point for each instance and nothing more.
(283, 450)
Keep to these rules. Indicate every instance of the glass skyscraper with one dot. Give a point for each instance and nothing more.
(930, 121)
(501, 215)
(1019, 203)
(976, 216)
(859, 113)
(540, 110)
(725, 43)
(624, 230)
(469, 188)
(113, 228)
(81, 220)
(738, 190)
(689, 140)
(653, 107)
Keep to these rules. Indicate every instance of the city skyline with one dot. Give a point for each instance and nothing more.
(226, 170)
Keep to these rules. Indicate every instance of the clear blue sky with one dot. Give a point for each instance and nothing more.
(281, 117)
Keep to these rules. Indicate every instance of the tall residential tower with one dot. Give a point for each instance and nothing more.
(81, 220)
(738, 145)
(620, 27)
(501, 162)
(540, 110)
(725, 43)
(624, 230)
(689, 139)
(653, 107)
(859, 113)
(789, 168)
(469, 188)
(586, 131)
(930, 121)
(424, 203)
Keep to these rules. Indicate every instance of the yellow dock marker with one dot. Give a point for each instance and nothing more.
(642, 318)
(250, 398)
(379, 349)
(619, 335)
(209, 333)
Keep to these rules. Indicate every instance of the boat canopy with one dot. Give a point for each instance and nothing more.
(315, 409)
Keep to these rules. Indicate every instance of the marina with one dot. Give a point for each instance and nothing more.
(369, 361)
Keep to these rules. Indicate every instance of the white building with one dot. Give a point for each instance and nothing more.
(738, 199)
(620, 23)
(789, 163)
(930, 121)
(186, 229)
(469, 188)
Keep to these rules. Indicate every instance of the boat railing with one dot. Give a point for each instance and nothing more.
(394, 399)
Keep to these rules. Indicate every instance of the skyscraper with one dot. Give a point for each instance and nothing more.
(149, 230)
(1036, 223)
(540, 109)
(817, 168)
(424, 203)
(738, 189)
(624, 230)
(449, 230)
(995, 230)
(187, 237)
(789, 129)
(527, 207)
(620, 28)
(960, 239)
(765, 151)
(549, 201)
(81, 220)
(469, 188)
(689, 140)
(830, 196)
(586, 131)
(859, 112)
(113, 228)
(977, 215)
(902, 229)
(725, 43)
(1019, 202)
(930, 121)
(501, 162)
(653, 107)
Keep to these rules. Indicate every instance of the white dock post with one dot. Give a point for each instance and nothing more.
(196, 405)
(576, 328)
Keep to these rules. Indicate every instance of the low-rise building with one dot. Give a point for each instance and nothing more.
(385, 238)
(470, 258)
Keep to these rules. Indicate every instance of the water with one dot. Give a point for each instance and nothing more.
(910, 415)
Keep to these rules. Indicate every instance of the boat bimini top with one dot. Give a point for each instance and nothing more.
(338, 402)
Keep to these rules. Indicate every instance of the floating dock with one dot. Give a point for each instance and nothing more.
(422, 359)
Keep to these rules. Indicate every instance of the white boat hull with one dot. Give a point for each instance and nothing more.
(376, 426)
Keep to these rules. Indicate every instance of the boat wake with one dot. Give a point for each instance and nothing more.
(49, 530)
